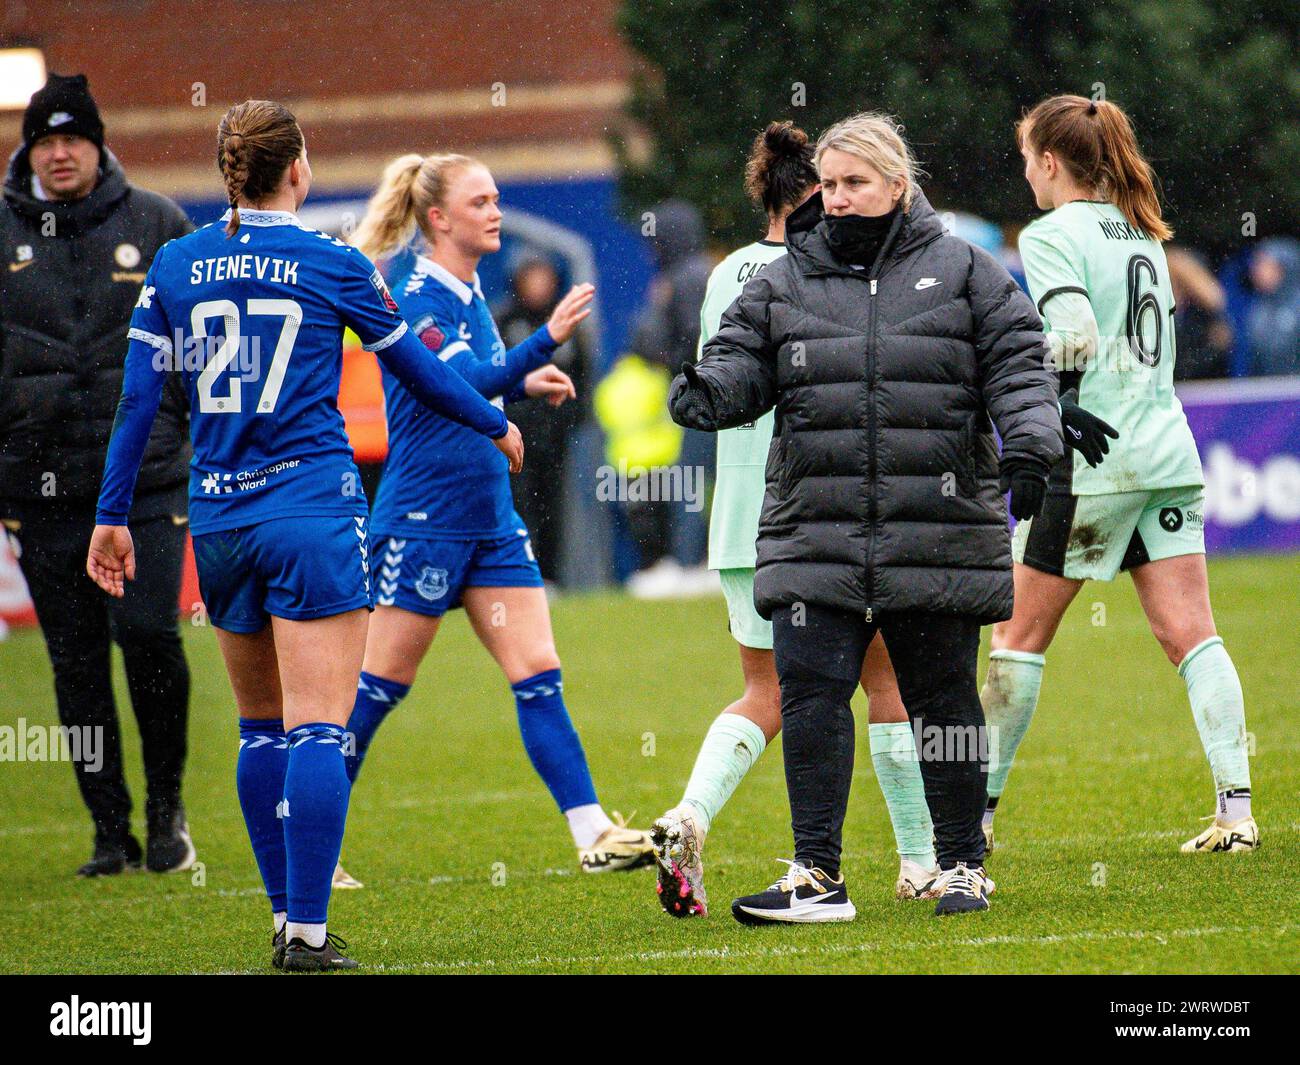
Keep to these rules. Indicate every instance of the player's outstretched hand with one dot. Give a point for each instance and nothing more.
(111, 561)
(550, 383)
(512, 447)
(570, 311)
(1084, 432)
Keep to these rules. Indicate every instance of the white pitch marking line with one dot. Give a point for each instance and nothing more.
(698, 953)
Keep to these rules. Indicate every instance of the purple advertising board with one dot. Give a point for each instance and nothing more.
(1248, 433)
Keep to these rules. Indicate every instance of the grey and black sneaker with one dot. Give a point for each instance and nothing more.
(300, 958)
(169, 848)
(965, 889)
(278, 946)
(112, 857)
(803, 895)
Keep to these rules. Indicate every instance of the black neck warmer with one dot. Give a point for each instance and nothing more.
(855, 238)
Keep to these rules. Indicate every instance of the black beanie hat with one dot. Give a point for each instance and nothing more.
(64, 105)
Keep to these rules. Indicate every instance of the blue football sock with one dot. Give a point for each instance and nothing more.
(259, 779)
(376, 696)
(315, 809)
(551, 741)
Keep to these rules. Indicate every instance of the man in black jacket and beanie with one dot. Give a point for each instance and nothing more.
(77, 241)
(890, 350)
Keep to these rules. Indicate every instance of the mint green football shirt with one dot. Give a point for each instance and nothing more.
(1090, 248)
(742, 452)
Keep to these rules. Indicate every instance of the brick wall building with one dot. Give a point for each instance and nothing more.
(532, 87)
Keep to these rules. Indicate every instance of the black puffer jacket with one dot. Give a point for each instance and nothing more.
(882, 478)
(70, 278)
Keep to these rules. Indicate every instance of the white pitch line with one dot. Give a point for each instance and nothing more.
(869, 947)
(688, 954)
(442, 880)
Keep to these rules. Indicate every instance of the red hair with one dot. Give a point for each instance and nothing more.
(1095, 142)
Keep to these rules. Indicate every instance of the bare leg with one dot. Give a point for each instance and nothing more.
(1175, 596)
(1041, 601)
(734, 741)
(884, 704)
(397, 642)
(514, 624)
(319, 664)
(254, 672)
(295, 801)
(760, 701)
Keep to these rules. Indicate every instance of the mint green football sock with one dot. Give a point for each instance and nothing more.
(731, 746)
(893, 754)
(1219, 710)
(1009, 696)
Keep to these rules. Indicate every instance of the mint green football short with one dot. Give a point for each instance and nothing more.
(746, 625)
(1092, 538)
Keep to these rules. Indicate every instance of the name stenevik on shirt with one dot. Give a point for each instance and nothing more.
(246, 266)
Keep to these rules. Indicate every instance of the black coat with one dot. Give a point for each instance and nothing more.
(882, 478)
(70, 278)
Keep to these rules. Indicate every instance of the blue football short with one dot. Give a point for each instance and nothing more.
(429, 576)
(295, 568)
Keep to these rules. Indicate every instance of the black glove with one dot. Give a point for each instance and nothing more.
(1026, 479)
(688, 401)
(1084, 432)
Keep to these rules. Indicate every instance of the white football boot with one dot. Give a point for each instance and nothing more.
(1232, 837)
(618, 848)
(915, 881)
(343, 880)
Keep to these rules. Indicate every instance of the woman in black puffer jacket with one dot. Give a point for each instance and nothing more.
(885, 345)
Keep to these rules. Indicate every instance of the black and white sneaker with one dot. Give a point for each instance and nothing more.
(300, 958)
(965, 889)
(112, 857)
(169, 848)
(802, 896)
(278, 947)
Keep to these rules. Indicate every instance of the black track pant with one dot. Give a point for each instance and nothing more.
(80, 622)
(819, 655)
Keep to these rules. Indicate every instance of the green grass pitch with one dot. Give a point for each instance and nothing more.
(469, 868)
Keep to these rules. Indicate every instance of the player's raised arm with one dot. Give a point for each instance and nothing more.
(367, 306)
(503, 373)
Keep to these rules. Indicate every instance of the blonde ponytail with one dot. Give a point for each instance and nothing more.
(411, 184)
(389, 221)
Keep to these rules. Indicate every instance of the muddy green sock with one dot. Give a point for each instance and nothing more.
(1009, 695)
(893, 754)
(731, 746)
(1220, 712)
